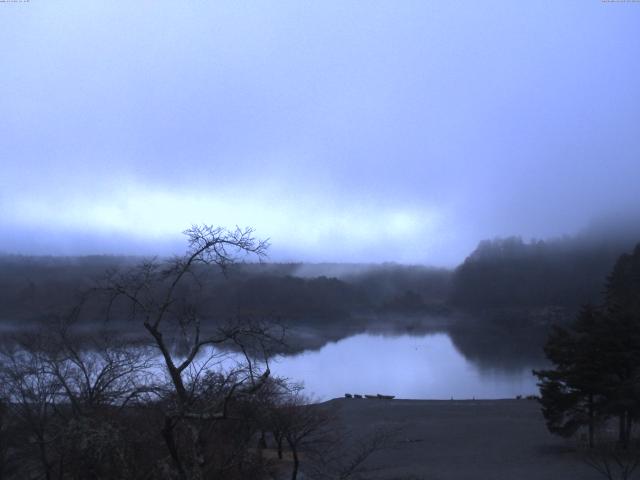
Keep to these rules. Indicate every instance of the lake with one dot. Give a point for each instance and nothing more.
(407, 366)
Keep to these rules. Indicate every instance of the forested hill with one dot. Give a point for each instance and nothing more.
(499, 274)
(565, 272)
(32, 287)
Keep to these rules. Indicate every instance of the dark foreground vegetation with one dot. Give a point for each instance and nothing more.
(77, 406)
(183, 402)
(594, 384)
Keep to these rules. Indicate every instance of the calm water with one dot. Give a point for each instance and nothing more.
(406, 366)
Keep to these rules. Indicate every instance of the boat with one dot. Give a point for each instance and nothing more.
(386, 397)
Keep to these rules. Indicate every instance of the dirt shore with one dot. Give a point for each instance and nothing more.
(464, 439)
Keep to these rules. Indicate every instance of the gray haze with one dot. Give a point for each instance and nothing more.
(343, 130)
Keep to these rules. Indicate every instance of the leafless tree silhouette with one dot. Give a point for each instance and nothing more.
(163, 296)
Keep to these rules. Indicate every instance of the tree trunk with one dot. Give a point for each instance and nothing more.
(296, 460)
(262, 441)
(591, 421)
(279, 441)
(197, 471)
(167, 434)
(43, 458)
(623, 434)
(296, 463)
(61, 467)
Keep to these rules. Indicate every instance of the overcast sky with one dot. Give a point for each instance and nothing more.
(344, 131)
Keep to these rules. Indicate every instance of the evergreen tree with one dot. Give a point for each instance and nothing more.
(622, 352)
(572, 392)
(596, 362)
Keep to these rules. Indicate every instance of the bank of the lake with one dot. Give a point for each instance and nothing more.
(463, 440)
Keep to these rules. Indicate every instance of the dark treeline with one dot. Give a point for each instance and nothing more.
(498, 305)
(514, 292)
(35, 286)
(565, 272)
(32, 287)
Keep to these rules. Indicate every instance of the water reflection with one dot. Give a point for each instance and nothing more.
(408, 366)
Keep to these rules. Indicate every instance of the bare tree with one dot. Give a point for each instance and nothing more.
(9, 438)
(31, 391)
(345, 457)
(91, 404)
(297, 421)
(317, 441)
(165, 297)
(98, 369)
(62, 388)
(612, 461)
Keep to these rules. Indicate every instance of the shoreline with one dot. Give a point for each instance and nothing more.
(497, 439)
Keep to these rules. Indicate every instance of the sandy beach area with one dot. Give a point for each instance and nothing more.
(463, 439)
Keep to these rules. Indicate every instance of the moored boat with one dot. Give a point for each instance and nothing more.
(386, 397)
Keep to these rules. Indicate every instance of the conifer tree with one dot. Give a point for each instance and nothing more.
(596, 361)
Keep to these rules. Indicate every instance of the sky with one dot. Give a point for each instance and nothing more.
(351, 131)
